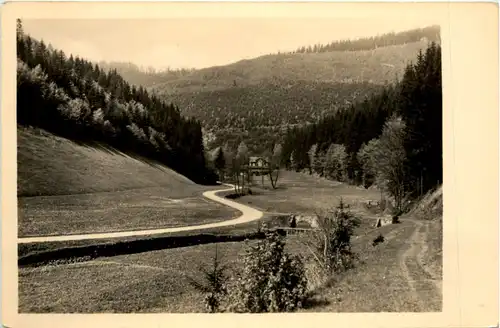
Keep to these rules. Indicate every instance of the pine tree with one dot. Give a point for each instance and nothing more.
(220, 162)
(421, 108)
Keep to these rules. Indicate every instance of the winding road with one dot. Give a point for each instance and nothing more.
(248, 214)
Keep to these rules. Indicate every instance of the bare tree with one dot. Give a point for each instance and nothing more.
(312, 157)
(366, 159)
(228, 159)
(236, 173)
(220, 162)
(275, 165)
(242, 162)
(267, 155)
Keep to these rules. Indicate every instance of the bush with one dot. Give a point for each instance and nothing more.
(271, 280)
(378, 240)
(331, 243)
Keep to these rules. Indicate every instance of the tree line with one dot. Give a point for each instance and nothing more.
(73, 98)
(430, 33)
(392, 138)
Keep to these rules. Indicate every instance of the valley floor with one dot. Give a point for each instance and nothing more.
(401, 274)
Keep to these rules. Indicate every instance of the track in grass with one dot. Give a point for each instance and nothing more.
(425, 287)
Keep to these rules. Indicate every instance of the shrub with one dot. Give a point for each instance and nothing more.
(331, 243)
(271, 280)
(378, 240)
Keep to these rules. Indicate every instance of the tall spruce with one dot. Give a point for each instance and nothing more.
(420, 106)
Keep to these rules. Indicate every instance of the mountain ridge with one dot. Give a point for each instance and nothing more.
(385, 46)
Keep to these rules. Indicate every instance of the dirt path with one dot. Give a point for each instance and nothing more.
(425, 285)
(435, 278)
(248, 214)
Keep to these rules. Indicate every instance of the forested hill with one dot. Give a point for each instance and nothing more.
(140, 76)
(375, 59)
(80, 101)
(260, 114)
(380, 58)
(255, 100)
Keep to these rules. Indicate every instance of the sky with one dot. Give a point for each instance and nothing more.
(201, 42)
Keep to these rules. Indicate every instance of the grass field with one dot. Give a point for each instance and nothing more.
(293, 196)
(157, 281)
(115, 211)
(147, 282)
(302, 193)
(66, 188)
(160, 275)
(35, 249)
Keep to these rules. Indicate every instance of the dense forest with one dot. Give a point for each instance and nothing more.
(256, 99)
(393, 137)
(429, 34)
(79, 100)
(260, 114)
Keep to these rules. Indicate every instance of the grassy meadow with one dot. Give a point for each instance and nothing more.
(302, 193)
(67, 188)
(135, 209)
(158, 281)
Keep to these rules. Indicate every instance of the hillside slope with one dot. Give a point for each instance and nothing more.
(373, 59)
(51, 165)
(271, 104)
(376, 66)
(253, 100)
(260, 114)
